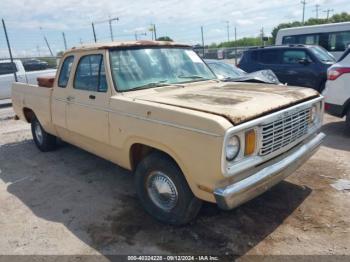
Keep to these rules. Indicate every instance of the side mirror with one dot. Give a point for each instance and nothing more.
(304, 61)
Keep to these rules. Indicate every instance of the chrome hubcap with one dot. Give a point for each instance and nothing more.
(38, 133)
(162, 191)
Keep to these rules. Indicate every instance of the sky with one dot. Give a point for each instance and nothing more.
(29, 21)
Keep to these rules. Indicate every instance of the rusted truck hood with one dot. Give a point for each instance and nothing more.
(237, 102)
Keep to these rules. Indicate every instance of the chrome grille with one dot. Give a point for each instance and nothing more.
(284, 131)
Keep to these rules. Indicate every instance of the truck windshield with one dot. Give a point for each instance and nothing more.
(144, 68)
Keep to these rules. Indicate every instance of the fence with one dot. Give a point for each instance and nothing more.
(41, 52)
(233, 54)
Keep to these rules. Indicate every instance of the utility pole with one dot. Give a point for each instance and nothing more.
(38, 49)
(317, 9)
(93, 31)
(151, 29)
(48, 46)
(111, 29)
(47, 42)
(303, 2)
(109, 20)
(202, 39)
(64, 41)
(137, 34)
(262, 36)
(155, 32)
(10, 52)
(235, 45)
(228, 30)
(328, 11)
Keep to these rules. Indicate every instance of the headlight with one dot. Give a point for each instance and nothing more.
(314, 114)
(232, 148)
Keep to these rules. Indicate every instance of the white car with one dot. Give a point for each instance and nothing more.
(337, 92)
(7, 70)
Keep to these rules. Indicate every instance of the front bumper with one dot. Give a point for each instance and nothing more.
(236, 194)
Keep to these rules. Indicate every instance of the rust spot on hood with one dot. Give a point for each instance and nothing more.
(206, 99)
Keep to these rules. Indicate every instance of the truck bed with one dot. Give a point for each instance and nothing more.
(35, 97)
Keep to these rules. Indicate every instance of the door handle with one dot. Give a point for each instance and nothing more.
(92, 97)
(70, 98)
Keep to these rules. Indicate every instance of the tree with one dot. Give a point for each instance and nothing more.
(245, 41)
(164, 38)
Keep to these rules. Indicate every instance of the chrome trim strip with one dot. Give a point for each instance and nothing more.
(160, 122)
(246, 189)
(229, 169)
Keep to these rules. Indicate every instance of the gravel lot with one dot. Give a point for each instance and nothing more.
(72, 202)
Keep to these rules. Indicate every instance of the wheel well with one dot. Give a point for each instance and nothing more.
(140, 151)
(28, 114)
(346, 107)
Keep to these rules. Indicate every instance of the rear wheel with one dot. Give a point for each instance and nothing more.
(164, 192)
(43, 140)
(347, 121)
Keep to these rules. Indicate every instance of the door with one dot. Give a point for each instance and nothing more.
(297, 68)
(267, 59)
(60, 93)
(87, 110)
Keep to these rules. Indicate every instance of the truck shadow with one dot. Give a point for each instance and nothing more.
(96, 201)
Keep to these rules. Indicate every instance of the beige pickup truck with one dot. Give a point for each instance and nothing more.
(157, 109)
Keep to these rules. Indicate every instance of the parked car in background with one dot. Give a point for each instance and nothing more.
(156, 109)
(7, 70)
(337, 92)
(230, 73)
(333, 37)
(296, 65)
(35, 64)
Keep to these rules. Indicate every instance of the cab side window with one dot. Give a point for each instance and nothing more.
(65, 71)
(7, 68)
(90, 74)
(295, 56)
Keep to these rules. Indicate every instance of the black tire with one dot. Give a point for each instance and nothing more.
(155, 166)
(347, 120)
(45, 142)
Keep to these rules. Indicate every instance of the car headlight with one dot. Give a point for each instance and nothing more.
(232, 148)
(313, 115)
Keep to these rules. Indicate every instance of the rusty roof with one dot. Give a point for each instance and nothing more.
(116, 44)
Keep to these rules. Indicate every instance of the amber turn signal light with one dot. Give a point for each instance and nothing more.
(250, 142)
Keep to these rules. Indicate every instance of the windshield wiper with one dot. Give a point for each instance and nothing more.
(191, 76)
(150, 85)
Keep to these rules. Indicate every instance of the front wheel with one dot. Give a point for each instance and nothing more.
(43, 140)
(347, 120)
(164, 192)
